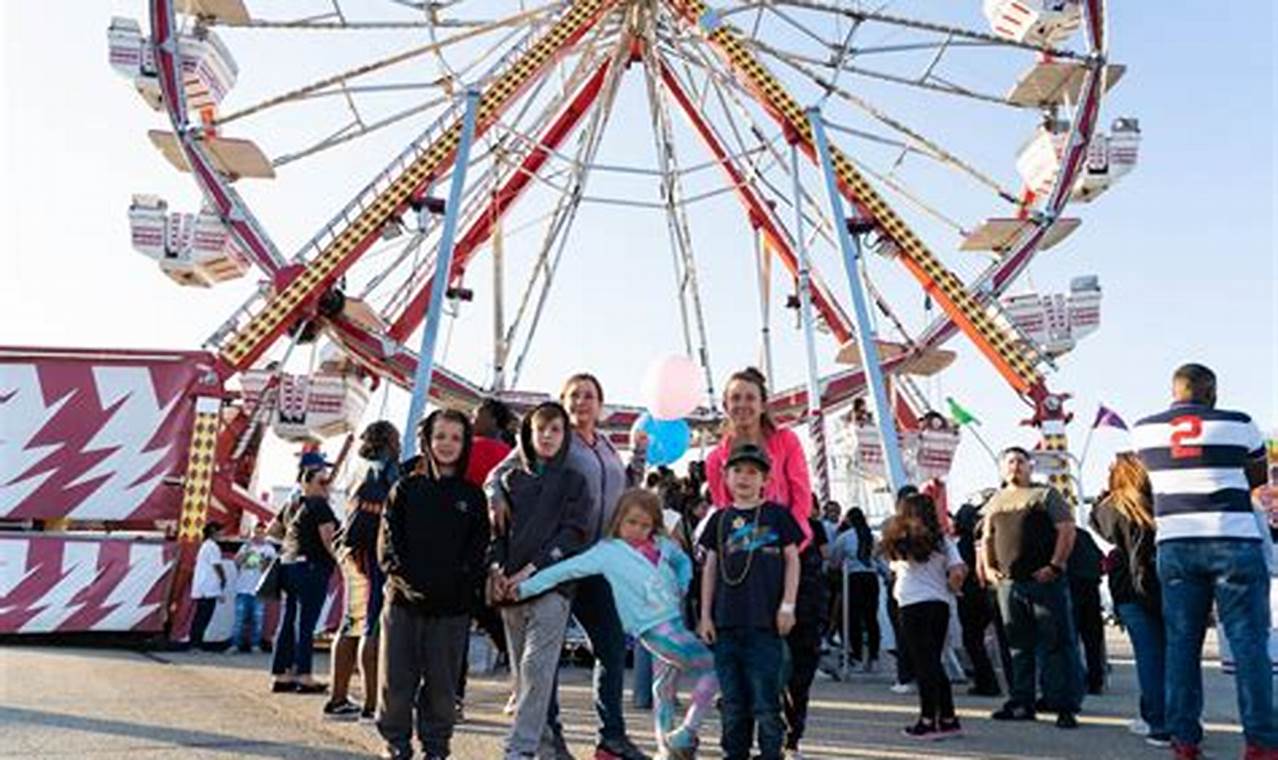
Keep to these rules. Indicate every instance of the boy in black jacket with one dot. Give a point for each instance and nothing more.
(432, 545)
(549, 521)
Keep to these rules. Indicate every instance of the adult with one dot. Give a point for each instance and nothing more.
(362, 574)
(1124, 516)
(975, 610)
(1085, 572)
(853, 554)
(592, 455)
(207, 583)
(804, 639)
(1203, 463)
(1028, 536)
(307, 559)
(745, 403)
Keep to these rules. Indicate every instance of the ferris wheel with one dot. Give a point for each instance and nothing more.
(961, 140)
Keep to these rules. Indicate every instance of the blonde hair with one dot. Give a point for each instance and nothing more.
(1130, 490)
(643, 500)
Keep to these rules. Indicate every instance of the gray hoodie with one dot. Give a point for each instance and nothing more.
(549, 510)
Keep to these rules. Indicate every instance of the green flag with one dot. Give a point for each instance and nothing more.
(961, 415)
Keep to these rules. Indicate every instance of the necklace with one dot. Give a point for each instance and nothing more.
(723, 566)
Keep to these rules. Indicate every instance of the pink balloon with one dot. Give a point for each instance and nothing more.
(671, 387)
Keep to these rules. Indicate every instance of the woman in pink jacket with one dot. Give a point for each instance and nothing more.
(745, 401)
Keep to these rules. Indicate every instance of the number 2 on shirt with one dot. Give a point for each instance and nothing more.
(1187, 426)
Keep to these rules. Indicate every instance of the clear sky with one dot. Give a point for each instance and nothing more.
(1184, 247)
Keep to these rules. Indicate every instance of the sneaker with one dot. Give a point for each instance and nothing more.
(1066, 720)
(283, 687)
(922, 731)
(314, 687)
(367, 716)
(622, 749)
(1186, 751)
(1013, 712)
(949, 728)
(344, 710)
(1158, 740)
(1138, 727)
(903, 688)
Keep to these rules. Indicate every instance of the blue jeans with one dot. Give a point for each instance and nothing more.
(304, 586)
(1149, 643)
(1193, 572)
(749, 663)
(247, 607)
(1039, 622)
(594, 608)
(641, 686)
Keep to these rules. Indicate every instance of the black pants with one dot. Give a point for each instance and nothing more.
(924, 626)
(489, 621)
(976, 612)
(418, 659)
(863, 614)
(904, 663)
(1085, 596)
(200, 623)
(804, 643)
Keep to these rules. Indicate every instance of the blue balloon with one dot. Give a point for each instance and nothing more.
(667, 439)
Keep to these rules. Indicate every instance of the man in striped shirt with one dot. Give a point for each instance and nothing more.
(1203, 464)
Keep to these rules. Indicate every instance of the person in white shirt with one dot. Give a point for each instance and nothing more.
(250, 562)
(207, 585)
(928, 571)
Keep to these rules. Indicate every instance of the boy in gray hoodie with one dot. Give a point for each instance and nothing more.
(549, 521)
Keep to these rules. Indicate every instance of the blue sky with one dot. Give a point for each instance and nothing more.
(1184, 247)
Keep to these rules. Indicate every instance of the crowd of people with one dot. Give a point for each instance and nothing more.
(735, 580)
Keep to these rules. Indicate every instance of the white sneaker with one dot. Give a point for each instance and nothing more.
(1138, 727)
(904, 688)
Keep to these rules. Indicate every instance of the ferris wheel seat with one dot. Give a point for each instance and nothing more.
(221, 11)
(1056, 322)
(232, 157)
(925, 453)
(850, 352)
(361, 313)
(192, 249)
(928, 362)
(1055, 82)
(319, 405)
(208, 70)
(917, 361)
(1034, 22)
(1109, 158)
(1000, 234)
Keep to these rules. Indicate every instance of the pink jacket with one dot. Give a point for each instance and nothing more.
(788, 483)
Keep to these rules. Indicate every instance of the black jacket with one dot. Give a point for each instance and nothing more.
(549, 511)
(434, 534)
(1134, 577)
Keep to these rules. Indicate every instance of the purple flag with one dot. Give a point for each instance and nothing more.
(1107, 416)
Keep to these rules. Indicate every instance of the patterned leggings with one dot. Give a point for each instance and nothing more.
(676, 651)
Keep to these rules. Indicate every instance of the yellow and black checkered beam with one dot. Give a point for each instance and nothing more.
(197, 483)
(998, 345)
(247, 344)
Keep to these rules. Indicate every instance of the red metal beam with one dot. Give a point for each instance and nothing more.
(482, 228)
(762, 217)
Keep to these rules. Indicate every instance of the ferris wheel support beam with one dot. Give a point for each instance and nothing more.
(998, 346)
(304, 285)
(851, 249)
(762, 216)
(217, 191)
(482, 228)
(443, 264)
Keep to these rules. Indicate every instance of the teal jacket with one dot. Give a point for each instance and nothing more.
(645, 594)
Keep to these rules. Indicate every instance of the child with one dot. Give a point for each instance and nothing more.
(432, 545)
(649, 575)
(928, 571)
(549, 521)
(250, 562)
(748, 589)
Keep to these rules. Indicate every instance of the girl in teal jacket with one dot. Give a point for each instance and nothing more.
(649, 574)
